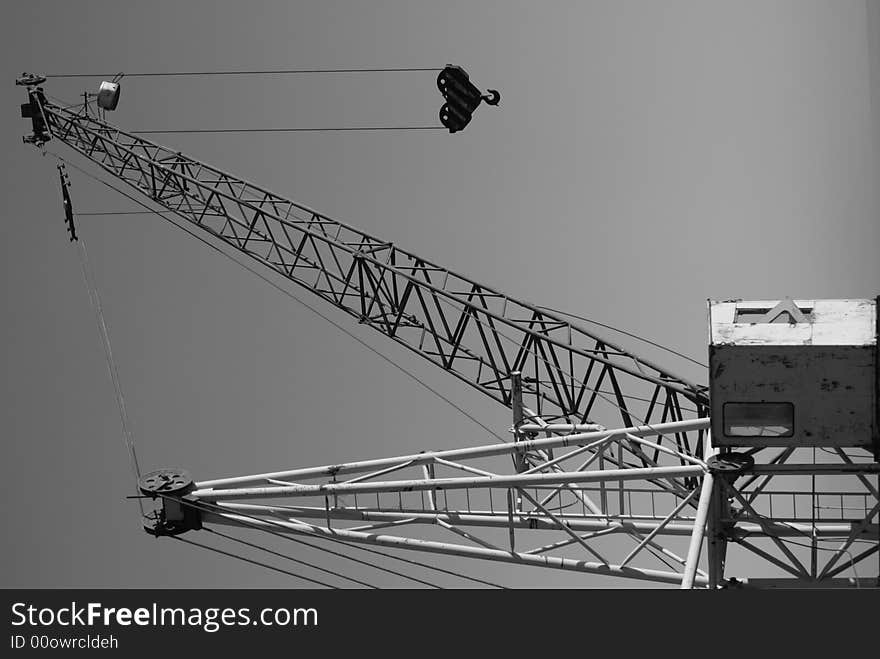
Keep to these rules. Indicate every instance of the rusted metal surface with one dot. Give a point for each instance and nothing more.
(818, 356)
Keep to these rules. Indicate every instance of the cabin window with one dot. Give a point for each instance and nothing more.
(758, 419)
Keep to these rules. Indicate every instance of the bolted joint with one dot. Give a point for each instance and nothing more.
(730, 466)
(178, 513)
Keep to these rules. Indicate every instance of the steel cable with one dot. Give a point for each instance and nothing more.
(281, 130)
(495, 330)
(95, 302)
(354, 546)
(262, 72)
(253, 562)
(625, 333)
(290, 558)
(122, 409)
(293, 297)
(206, 507)
(213, 508)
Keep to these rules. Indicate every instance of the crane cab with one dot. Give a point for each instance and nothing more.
(795, 373)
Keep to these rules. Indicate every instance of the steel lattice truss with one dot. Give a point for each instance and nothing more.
(478, 334)
(556, 513)
(816, 515)
(636, 501)
(569, 509)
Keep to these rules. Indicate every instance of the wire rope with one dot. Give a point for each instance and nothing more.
(259, 525)
(95, 302)
(294, 298)
(204, 507)
(625, 333)
(254, 562)
(259, 72)
(369, 550)
(290, 558)
(280, 130)
(817, 547)
(150, 212)
(376, 352)
(270, 282)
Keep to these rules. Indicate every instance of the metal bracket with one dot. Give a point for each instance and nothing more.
(68, 205)
(178, 513)
(730, 466)
(33, 110)
(516, 404)
(30, 80)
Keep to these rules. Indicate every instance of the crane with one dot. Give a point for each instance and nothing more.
(611, 468)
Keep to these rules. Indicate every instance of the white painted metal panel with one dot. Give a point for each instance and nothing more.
(831, 323)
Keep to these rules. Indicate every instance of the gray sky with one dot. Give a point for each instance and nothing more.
(646, 156)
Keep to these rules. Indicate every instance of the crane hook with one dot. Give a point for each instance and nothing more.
(462, 97)
(491, 97)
